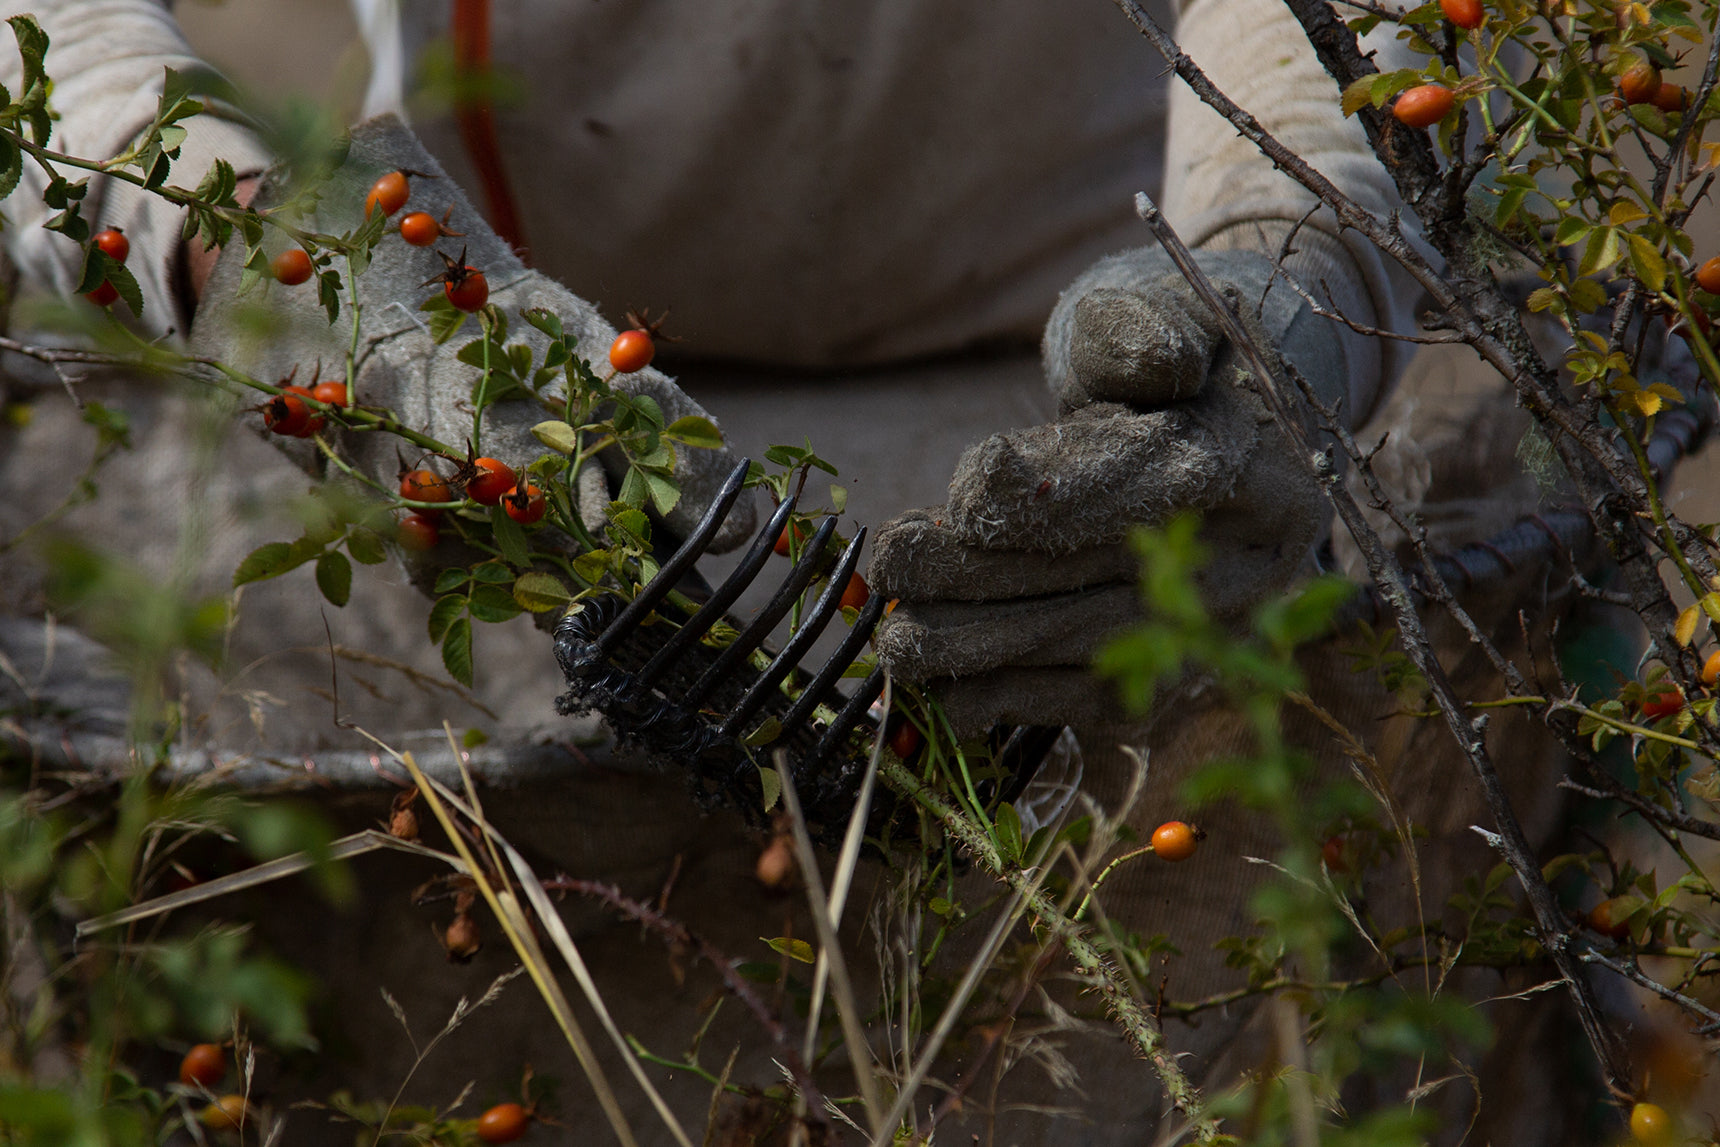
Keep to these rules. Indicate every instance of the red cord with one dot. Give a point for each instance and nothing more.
(477, 121)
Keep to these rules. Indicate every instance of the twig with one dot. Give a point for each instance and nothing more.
(1383, 568)
(679, 935)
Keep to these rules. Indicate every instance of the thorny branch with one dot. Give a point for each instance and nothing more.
(1611, 489)
(1131, 1018)
(679, 936)
(1386, 573)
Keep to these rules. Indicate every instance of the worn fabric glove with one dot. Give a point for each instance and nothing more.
(399, 365)
(1008, 589)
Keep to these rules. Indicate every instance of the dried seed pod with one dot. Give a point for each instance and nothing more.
(462, 939)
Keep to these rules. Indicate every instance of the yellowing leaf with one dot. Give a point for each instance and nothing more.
(793, 949)
(1358, 95)
(1686, 627)
(1624, 211)
(1647, 402)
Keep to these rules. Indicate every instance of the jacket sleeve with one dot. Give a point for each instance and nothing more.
(107, 60)
(1221, 193)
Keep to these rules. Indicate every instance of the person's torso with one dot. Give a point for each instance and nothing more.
(815, 183)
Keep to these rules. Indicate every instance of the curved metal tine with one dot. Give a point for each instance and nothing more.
(721, 599)
(828, 606)
(849, 716)
(1022, 754)
(759, 628)
(682, 560)
(833, 669)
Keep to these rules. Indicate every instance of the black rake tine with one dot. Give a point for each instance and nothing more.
(690, 551)
(846, 719)
(754, 634)
(833, 669)
(828, 605)
(725, 595)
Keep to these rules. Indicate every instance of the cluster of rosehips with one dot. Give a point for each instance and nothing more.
(112, 243)
(464, 285)
(1641, 84)
(486, 481)
(205, 1067)
(290, 414)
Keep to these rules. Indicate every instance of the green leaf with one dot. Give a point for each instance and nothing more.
(1358, 96)
(558, 436)
(1601, 251)
(1646, 261)
(793, 949)
(697, 432)
(492, 573)
(510, 539)
(445, 320)
(769, 730)
(544, 320)
(770, 784)
(664, 492)
(1008, 824)
(443, 613)
(1543, 298)
(1587, 295)
(450, 580)
(271, 560)
(634, 489)
(457, 651)
(541, 592)
(365, 546)
(334, 577)
(493, 604)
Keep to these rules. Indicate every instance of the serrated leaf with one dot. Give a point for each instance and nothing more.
(334, 577)
(493, 604)
(510, 539)
(1601, 251)
(664, 492)
(558, 436)
(1587, 295)
(793, 949)
(1685, 630)
(1543, 298)
(457, 651)
(591, 566)
(1624, 212)
(450, 580)
(770, 784)
(443, 613)
(1357, 96)
(492, 573)
(634, 489)
(1646, 261)
(1710, 603)
(540, 592)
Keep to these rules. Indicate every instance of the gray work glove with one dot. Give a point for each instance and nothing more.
(1007, 591)
(401, 367)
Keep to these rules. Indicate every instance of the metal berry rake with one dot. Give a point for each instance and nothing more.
(709, 710)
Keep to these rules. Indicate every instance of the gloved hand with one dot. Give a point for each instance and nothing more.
(1008, 590)
(399, 364)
